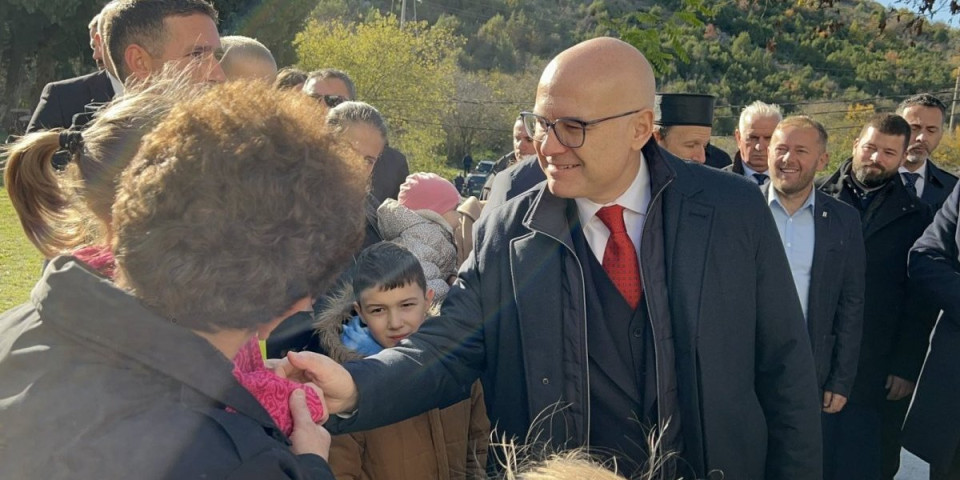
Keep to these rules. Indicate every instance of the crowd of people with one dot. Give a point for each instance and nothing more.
(244, 280)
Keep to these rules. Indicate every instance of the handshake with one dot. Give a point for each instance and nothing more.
(326, 388)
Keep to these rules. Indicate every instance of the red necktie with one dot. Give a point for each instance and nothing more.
(620, 257)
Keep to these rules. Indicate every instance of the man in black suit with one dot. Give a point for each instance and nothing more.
(895, 323)
(650, 322)
(926, 115)
(140, 37)
(61, 101)
(932, 428)
(824, 245)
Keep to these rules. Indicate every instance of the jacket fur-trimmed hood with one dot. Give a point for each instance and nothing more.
(338, 310)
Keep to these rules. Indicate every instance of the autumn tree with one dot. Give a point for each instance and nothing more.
(407, 73)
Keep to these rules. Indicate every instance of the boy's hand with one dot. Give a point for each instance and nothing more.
(339, 390)
(307, 437)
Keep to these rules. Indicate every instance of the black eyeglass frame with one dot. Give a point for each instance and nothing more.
(583, 124)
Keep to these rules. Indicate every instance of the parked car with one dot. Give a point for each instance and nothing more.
(477, 178)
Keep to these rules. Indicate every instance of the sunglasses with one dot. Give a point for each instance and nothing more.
(329, 100)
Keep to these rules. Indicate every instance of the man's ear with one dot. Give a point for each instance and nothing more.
(736, 136)
(824, 160)
(430, 295)
(137, 62)
(642, 128)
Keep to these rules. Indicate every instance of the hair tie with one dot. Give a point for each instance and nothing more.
(71, 141)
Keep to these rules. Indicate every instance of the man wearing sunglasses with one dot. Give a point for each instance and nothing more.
(333, 87)
(631, 293)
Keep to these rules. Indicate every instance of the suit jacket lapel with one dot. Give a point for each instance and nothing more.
(824, 255)
(687, 227)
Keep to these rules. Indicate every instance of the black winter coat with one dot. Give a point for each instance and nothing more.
(896, 323)
(94, 385)
(932, 428)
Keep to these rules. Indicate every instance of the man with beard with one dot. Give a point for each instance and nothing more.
(824, 245)
(925, 114)
(895, 324)
(757, 122)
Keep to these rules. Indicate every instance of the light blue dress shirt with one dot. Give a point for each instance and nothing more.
(797, 232)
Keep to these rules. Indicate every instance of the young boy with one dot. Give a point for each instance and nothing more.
(389, 291)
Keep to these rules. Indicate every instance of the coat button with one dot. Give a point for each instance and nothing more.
(546, 381)
(638, 332)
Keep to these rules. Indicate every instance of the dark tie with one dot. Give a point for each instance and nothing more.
(761, 178)
(910, 182)
(620, 257)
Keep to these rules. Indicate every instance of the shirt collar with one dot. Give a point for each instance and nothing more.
(922, 170)
(636, 198)
(116, 84)
(748, 172)
(774, 198)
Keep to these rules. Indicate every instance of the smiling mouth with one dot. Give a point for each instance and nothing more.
(562, 167)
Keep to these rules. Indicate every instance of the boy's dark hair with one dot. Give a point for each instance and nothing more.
(140, 22)
(924, 100)
(890, 124)
(386, 265)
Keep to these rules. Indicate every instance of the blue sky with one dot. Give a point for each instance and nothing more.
(942, 15)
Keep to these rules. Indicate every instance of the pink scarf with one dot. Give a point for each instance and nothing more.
(272, 391)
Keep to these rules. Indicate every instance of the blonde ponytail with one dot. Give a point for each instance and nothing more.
(36, 189)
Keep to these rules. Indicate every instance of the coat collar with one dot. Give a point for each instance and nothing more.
(896, 203)
(83, 305)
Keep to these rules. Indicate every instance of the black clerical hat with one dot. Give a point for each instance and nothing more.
(684, 109)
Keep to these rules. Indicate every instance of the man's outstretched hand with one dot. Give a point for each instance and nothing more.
(339, 390)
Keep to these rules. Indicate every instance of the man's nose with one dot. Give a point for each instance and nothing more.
(216, 74)
(551, 144)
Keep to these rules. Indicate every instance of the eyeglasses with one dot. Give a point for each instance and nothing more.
(329, 100)
(570, 132)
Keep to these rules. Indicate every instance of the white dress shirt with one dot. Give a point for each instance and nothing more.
(116, 84)
(748, 172)
(635, 202)
(921, 181)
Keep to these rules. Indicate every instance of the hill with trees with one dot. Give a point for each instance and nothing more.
(451, 80)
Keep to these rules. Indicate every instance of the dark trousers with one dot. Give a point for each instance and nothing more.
(851, 443)
(892, 414)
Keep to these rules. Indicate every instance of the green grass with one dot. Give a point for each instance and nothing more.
(20, 262)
